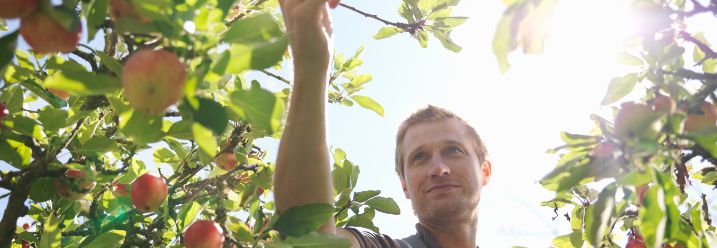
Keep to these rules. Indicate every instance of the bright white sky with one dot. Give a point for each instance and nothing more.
(519, 114)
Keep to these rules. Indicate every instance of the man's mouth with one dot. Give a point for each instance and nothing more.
(442, 187)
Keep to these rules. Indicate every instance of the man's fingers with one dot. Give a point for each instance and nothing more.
(334, 3)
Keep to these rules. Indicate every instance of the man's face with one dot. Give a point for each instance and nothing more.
(443, 176)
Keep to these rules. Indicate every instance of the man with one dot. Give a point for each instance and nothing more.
(441, 160)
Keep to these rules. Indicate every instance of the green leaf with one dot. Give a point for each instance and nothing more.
(27, 126)
(111, 239)
(110, 62)
(257, 43)
(301, 220)
(51, 233)
(260, 107)
(571, 240)
(53, 119)
(8, 43)
(97, 145)
(384, 204)
(365, 195)
(504, 40)
(446, 41)
(211, 115)
(205, 139)
(83, 83)
(628, 59)
(42, 189)
(40, 91)
(142, 127)
(315, 240)
(189, 213)
(14, 152)
(422, 37)
(386, 32)
(339, 155)
(619, 87)
(368, 103)
(98, 13)
(600, 214)
(362, 221)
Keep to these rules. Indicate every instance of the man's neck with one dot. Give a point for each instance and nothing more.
(458, 233)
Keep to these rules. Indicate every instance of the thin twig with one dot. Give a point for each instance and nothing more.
(280, 78)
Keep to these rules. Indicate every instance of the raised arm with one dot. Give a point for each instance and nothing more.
(302, 168)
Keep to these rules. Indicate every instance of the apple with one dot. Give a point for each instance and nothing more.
(705, 120)
(604, 150)
(17, 8)
(204, 234)
(125, 9)
(153, 80)
(80, 180)
(60, 93)
(148, 192)
(46, 35)
(3, 110)
(25, 226)
(635, 120)
(663, 103)
(635, 241)
(119, 189)
(641, 190)
(227, 161)
(25, 244)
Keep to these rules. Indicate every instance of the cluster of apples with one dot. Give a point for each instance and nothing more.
(632, 118)
(41, 30)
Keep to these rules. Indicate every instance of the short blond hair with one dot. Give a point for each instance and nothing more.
(428, 114)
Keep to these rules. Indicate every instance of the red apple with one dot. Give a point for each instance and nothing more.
(641, 190)
(663, 103)
(227, 161)
(60, 93)
(77, 179)
(17, 8)
(604, 150)
(3, 110)
(119, 189)
(204, 234)
(708, 118)
(153, 80)
(635, 241)
(25, 244)
(25, 226)
(46, 35)
(636, 120)
(148, 192)
(125, 9)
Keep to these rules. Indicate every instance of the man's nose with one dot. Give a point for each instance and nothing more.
(439, 167)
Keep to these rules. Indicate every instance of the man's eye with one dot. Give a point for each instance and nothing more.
(420, 157)
(453, 150)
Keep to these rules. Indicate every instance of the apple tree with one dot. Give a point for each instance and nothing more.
(182, 81)
(650, 170)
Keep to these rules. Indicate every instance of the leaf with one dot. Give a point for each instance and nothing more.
(46, 95)
(111, 239)
(386, 32)
(368, 103)
(83, 83)
(446, 41)
(260, 107)
(111, 63)
(384, 204)
(51, 232)
(205, 139)
(142, 127)
(619, 87)
(211, 115)
(504, 40)
(42, 189)
(628, 59)
(339, 155)
(97, 15)
(300, 220)
(362, 221)
(15, 153)
(189, 212)
(600, 214)
(257, 42)
(97, 145)
(53, 119)
(8, 43)
(316, 240)
(571, 240)
(365, 195)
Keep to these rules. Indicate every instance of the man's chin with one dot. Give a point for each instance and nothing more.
(444, 209)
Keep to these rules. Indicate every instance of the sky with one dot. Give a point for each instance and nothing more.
(519, 114)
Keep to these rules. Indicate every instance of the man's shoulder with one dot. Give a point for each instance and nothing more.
(369, 239)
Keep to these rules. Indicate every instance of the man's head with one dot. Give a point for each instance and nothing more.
(442, 163)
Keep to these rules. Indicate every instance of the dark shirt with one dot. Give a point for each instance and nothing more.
(422, 239)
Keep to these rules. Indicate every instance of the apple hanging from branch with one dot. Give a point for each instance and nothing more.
(46, 35)
(153, 80)
(77, 185)
(148, 192)
(204, 234)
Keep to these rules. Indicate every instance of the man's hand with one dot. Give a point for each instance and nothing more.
(308, 23)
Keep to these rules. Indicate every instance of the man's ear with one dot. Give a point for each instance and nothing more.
(487, 170)
(405, 190)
